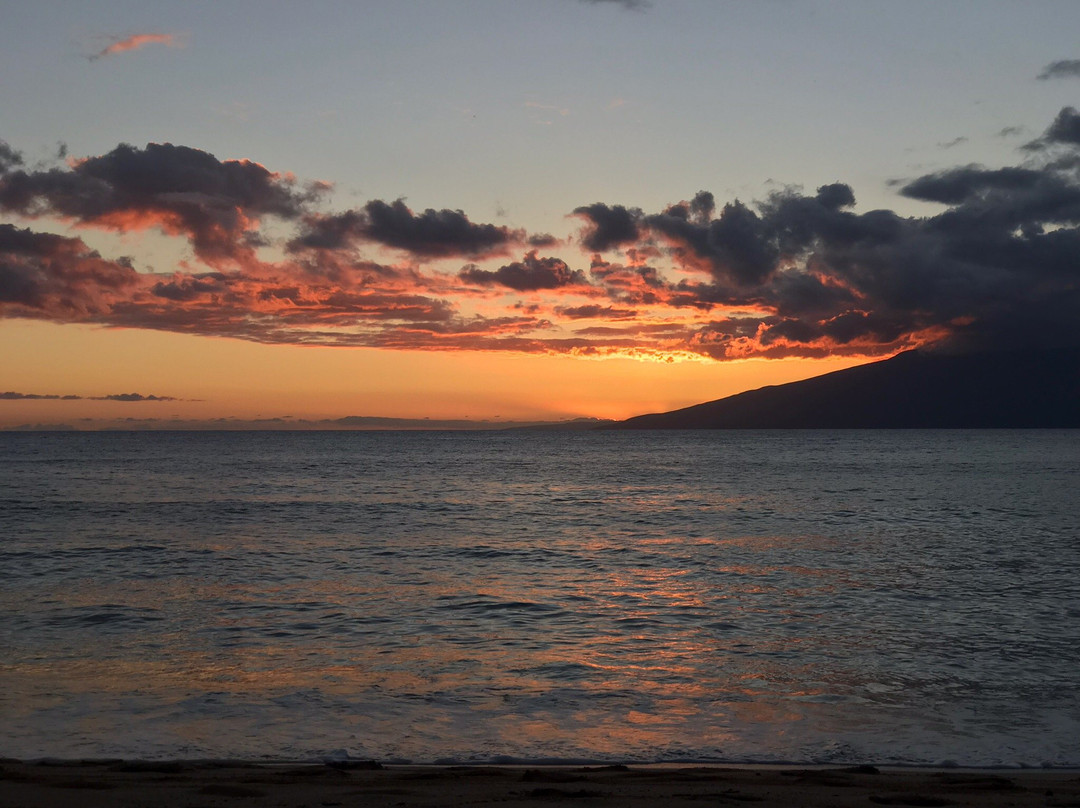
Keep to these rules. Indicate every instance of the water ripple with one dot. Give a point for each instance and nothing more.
(901, 597)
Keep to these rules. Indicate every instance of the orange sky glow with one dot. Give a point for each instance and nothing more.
(380, 310)
(245, 380)
(383, 310)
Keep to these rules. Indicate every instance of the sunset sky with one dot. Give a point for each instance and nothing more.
(519, 209)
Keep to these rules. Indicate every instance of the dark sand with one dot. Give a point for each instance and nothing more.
(88, 784)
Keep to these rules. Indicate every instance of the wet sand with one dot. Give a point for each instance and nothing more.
(88, 784)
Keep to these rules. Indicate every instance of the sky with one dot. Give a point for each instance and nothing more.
(519, 209)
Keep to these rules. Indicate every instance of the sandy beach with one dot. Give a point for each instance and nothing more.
(88, 784)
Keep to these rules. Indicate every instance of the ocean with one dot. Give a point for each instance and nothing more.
(894, 597)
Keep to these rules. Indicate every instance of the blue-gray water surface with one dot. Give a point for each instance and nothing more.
(887, 596)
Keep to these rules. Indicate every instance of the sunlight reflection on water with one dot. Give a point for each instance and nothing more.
(900, 597)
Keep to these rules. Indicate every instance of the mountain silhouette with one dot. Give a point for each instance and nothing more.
(912, 390)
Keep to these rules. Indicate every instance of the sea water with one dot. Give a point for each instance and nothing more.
(900, 597)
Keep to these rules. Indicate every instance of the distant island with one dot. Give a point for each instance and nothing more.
(912, 390)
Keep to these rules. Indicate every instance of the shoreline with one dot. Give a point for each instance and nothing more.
(357, 763)
(190, 784)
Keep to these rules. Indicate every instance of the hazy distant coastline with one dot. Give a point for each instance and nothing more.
(284, 424)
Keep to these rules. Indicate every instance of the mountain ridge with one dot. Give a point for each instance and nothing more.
(913, 390)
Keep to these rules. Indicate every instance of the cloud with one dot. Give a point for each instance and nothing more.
(1064, 131)
(592, 312)
(9, 158)
(42, 274)
(794, 274)
(632, 5)
(635, 284)
(1065, 68)
(175, 189)
(528, 275)
(11, 396)
(958, 185)
(136, 42)
(734, 246)
(132, 397)
(542, 240)
(609, 226)
(998, 267)
(431, 234)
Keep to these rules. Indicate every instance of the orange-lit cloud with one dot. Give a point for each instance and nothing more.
(136, 42)
(795, 275)
(216, 205)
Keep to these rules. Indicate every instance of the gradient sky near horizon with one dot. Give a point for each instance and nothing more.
(520, 209)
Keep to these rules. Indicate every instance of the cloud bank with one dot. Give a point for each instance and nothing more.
(12, 396)
(794, 274)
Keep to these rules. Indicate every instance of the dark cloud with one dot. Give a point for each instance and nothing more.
(632, 5)
(610, 226)
(771, 256)
(176, 189)
(10, 396)
(50, 277)
(734, 246)
(331, 232)
(995, 201)
(999, 266)
(668, 330)
(183, 288)
(808, 294)
(703, 205)
(794, 274)
(1065, 68)
(133, 397)
(9, 158)
(957, 185)
(594, 312)
(324, 294)
(58, 276)
(542, 240)
(700, 209)
(835, 196)
(528, 275)
(432, 234)
(1064, 131)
